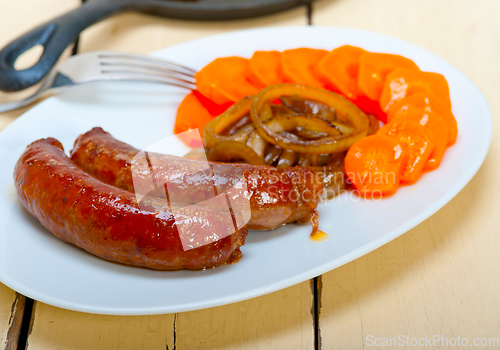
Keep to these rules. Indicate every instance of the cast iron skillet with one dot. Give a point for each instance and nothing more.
(58, 33)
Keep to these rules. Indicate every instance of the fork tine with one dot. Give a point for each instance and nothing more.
(147, 67)
(118, 66)
(149, 75)
(140, 76)
(162, 63)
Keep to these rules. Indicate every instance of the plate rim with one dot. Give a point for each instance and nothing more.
(318, 270)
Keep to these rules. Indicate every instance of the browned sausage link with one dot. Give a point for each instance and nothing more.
(277, 196)
(107, 221)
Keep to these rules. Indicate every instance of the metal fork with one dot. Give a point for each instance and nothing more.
(108, 66)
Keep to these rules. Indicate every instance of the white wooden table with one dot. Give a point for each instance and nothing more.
(441, 278)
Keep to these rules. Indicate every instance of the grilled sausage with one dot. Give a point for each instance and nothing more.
(109, 222)
(277, 196)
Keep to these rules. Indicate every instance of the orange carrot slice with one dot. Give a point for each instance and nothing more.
(338, 70)
(416, 141)
(374, 165)
(374, 68)
(436, 128)
(191, 114)
(297, 66)
(265, 67)
(225, 79)
(401, 83)
(431, 104)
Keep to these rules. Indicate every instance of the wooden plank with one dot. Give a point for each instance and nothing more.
(281, 320)
(443, 277)
(22, 15)
(11, 313)
(55, 328)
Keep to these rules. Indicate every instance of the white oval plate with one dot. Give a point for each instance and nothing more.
(35, 263)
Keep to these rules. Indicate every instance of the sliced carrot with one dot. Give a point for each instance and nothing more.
(374, 165)
(297, 66)
(416, 141)
(338, 70)
(431, 104)
(225, 79)
(374, 68)
(191, 114)
(265, 67)
(401, 83)
(437, 130)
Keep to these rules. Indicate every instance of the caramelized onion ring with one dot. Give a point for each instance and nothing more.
(329, 144)
(307, 123)
(374, 125)
(332, 175)
(212, 130)
(227, 151)
(287, 159)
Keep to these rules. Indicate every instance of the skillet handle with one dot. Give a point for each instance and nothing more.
(54, 36)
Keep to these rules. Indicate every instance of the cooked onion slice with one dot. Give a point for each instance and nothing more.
(272, 154)
(257, 143)
(287, 159)
(332, 175)
(304, 123)
(233, 151)
(333, 184)
(213, 131)
(374, 125)
(301, 106)
(261, 115)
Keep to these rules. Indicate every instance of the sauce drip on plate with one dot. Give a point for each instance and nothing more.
(317, 235)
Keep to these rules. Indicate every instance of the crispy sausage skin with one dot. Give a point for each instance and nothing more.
(108, 221)
(277, 196)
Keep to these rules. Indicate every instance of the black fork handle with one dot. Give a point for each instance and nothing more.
(54, 36)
